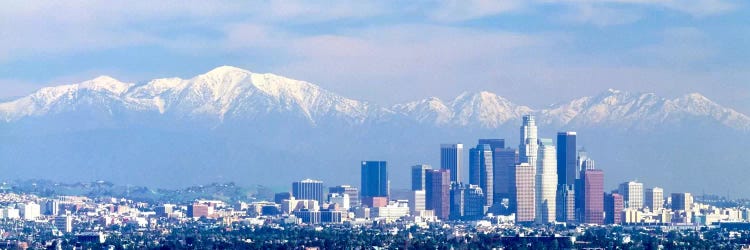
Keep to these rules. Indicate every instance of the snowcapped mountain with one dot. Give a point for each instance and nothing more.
(228, 94)
(225, 92)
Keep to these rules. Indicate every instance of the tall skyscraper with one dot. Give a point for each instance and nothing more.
(353, 193)
(654, 198)
(504, 164)
(437, 193)
(546, 182)
(451, 158)
(566, 203)
(525, 194)
(593, 195)
(613, 207)
(308, 190)
(632, 192)
(566, 158)
(474, 203)
(529, 144)
(374, 179)
(583, 163)
(418, 176)
(481, 170)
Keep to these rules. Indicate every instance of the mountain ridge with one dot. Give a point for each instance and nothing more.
(231, 93)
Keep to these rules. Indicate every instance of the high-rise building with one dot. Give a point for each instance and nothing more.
(418, 176)
(417, 201)
(437, 193)
(504, 164)
(353, 193)
(474, 203)
(525, 193)
(546, 182)
(51, 207)
(593, 196)
(64, 223)
(583, 163)
(481, 170)
(451, 158)
(654, 198)
(613, 208)
(308, 190)
(458, 197)
(565, 203)
(278, 198)
(529, 144)
(341, 200)
(566, 158)
(632, 193)
(682, 201)
(374, 179)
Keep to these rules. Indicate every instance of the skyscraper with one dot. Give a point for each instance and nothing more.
(481, 170)
(418, 176)
(593, 196)
(308, 190)
(528, 147)
(451, 158)
(566, 203)
(566, 158)
(437, 193)
(353, 193)
(613, 207)
(374, 179)
(525, 193)
(632, 193)
(546, 182)
(504, 164)
(654, 198)
(682, 201)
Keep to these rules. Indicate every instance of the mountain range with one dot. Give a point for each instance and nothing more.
(233, 124)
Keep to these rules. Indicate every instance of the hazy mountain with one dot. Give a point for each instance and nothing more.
(232, 124)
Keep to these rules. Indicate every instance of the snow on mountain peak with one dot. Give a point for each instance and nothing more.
(106, 83)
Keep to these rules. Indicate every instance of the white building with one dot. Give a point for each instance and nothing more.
(417, 201)
(64, 223)
(546, 182)
(654, 198)
(30, 211)
(391, 212)
(11, 213)
(342, 200)
(632, 194)
(528, 148)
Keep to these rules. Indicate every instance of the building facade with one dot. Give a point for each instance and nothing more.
(481, 170)
(654, 198)
(525, 200)
(566, 158)
(546, 182)
(632, 192)
(593, 195)
(308, 189)
(374, 179)
(451, 159)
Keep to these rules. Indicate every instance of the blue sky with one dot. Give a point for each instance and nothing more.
(534, 52)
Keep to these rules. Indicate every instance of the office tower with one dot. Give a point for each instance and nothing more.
(583, 162)
(30, 211)
(457, 201)
(632, 192)
(529, 144)
(437, 193)
(353, 193)
(64, 223)
(504, 164)
(566, 158)
(613, 208)
(417, 201)
(525, 193)
(451, 158)
(494, 143)
(51, 207)
(481, 170)
(546, 182)
(418, 176)
(593, 196)
(374, 179)
(341, 201)
(566, 204)
(654, 198)
(308, 190)
(474, 203)
(199, 210)
(682, 201)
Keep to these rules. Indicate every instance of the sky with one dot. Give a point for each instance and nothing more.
(533, 52)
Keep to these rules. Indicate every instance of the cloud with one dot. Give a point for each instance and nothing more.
(457, 10)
